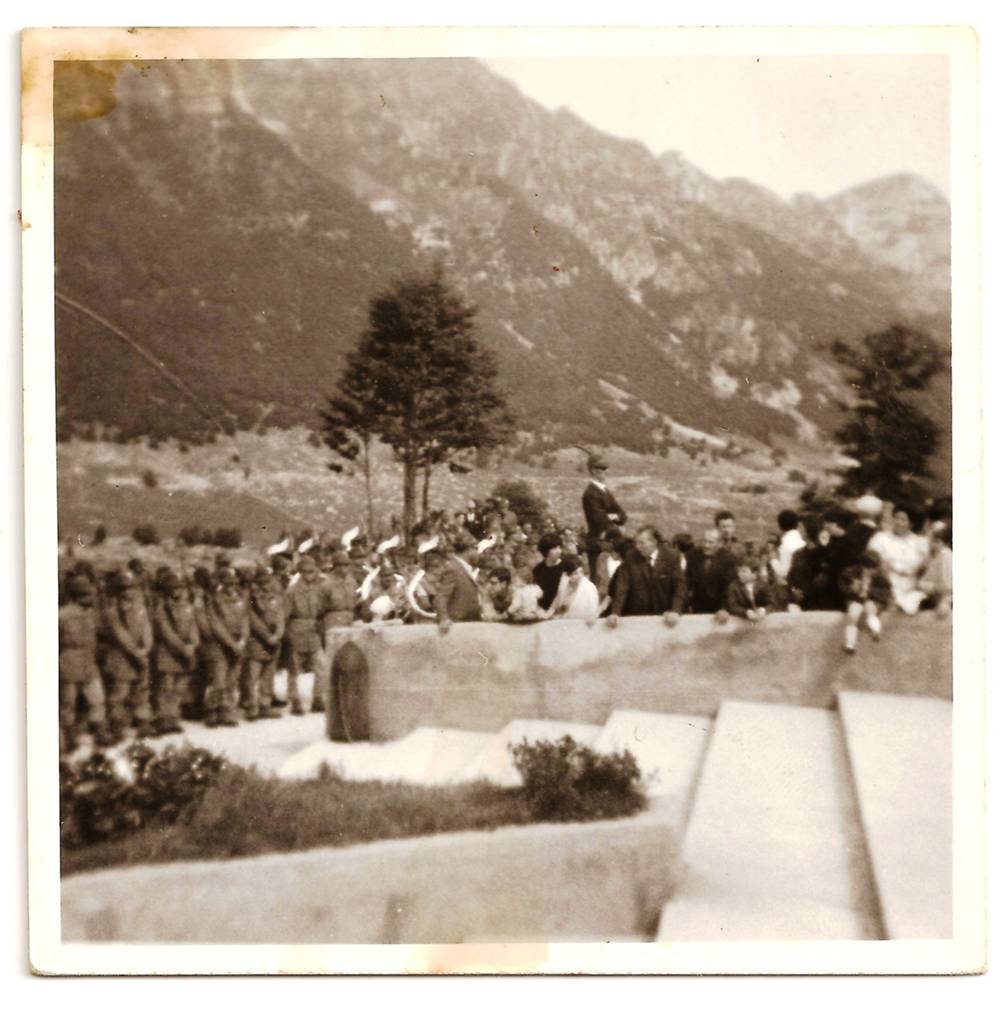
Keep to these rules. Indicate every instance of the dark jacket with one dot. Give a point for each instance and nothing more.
(597, 504)
(708, 578)
(738, 600)
(641, 588)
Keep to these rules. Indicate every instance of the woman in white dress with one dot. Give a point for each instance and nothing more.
(904, 556)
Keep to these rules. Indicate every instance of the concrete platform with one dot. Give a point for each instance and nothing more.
(900, 754)
(428, 756)
(669, 749)
(495, 763)
(773, 849)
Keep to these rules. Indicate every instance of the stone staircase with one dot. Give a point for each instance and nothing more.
(798, 823)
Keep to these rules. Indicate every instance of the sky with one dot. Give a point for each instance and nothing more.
(791, 123)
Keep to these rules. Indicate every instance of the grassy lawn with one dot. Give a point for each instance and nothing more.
(188, 804)
(245, 813)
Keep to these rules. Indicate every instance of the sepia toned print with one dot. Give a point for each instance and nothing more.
(502, 504)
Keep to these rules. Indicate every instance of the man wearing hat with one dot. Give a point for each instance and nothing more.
(177, 639)
(600, 508)
(78, 671)
(226, 611)
(343, 590)
(457, 594)
(129, 635)
(267, 630)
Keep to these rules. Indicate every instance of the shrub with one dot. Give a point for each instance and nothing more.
(145, 534)
(100, 535)
(797, 476)
(194, 535)
(523, 501)
(565, 781)
(228, 537)
(149, 478)
(105, 798)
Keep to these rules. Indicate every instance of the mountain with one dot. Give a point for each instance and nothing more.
(234, 220)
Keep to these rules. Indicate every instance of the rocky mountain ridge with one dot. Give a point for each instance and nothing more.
(236, 218)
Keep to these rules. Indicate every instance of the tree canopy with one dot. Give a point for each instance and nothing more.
(892, 439)
(420, 382)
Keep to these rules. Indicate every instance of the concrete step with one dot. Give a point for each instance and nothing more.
(900, 755)
(494, 761)
(773, 849)
(669, 749)
(428, 756)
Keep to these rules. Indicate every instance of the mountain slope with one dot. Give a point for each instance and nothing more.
(235, 219)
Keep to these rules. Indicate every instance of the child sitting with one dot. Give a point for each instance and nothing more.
(866, 591)
(746, 597)
(524, 603)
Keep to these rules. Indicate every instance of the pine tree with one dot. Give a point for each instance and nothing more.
(886, 432)
(420, 382)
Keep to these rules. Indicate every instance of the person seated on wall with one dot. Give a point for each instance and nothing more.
(649, 581)
(746, 596)
(866, 592)
(577, 595)
(936, 582)
(904, 554)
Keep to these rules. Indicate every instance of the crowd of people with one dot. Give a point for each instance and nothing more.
(141, 650)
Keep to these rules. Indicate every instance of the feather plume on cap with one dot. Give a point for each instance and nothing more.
(306, 545)
(411, 592)
(366, 586)
(429, 545)
(280, 547)
(388, 544)
(349, 536)
(486, 544)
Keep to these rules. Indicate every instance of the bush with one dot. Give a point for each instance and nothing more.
(149, 478)
(565, 781)
(103, 798)
(194, 535)
(100, 535)
(797, 476)
(145, 534)
(228, 537)
(523, 501)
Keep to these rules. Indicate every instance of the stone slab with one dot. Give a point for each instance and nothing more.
(669, 749)
(494, 761)
(427, 756)
(773, 849)
(900, 754)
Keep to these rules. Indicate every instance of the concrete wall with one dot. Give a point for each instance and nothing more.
(481, 675)
(583, 882)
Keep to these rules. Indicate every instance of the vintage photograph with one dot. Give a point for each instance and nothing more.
(502, 493)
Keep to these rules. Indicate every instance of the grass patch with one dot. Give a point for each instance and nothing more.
(187, 805)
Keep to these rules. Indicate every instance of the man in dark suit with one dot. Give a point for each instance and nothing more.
(600, 508)
(709, 572)
(457, 596)
(650, 581)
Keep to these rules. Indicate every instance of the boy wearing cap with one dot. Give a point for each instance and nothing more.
(176, 635)
(600, 508)
(129, 636)
(307, 604)
(226, 612)
(78, 671)
(267, 630)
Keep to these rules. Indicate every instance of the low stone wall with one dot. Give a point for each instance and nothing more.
(479, 676)
(583, 882)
